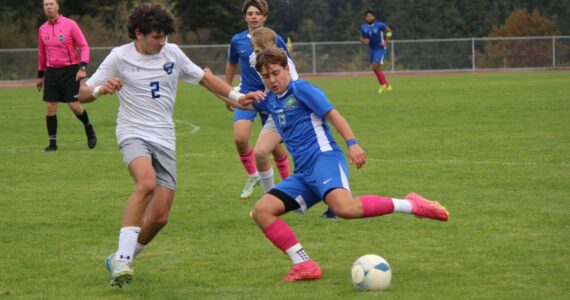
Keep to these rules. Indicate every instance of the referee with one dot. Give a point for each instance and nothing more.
(60, 70)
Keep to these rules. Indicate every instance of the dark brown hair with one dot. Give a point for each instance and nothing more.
(369, 11)
(148, 17)
(271, 56)
(259, 4)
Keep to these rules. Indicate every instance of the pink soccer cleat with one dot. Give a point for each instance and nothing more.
(307, 270)
(423, 208)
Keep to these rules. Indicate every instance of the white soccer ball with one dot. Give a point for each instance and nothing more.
(371, 273)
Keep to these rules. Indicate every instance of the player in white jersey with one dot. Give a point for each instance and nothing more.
(145, 75)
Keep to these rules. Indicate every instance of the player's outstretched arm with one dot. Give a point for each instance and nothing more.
(89, 93)
(224, 92)
(229, 106)
(355, 153)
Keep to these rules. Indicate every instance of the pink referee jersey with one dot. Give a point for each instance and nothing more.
(58, 43)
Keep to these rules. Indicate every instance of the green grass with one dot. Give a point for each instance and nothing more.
(493, 148)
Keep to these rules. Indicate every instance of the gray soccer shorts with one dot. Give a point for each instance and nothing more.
(163, 159)
(270, 125)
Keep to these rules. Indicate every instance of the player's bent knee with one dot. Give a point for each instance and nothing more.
(261, 155)
(242, 145)
(263, 210)
(146, 186)
(258, 212)
(159, 220)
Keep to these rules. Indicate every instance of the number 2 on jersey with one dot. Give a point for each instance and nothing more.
(155, 91)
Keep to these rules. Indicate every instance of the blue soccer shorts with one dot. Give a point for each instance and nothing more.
(377, 55)
(243, 114)
(329, 172)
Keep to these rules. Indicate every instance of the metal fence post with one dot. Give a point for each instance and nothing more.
(473, 54)
(313, 45)
(553, 52)
(393, 56)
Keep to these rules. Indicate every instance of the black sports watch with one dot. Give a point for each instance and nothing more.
(82, 66)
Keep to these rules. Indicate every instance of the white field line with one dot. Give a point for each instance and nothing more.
(32, 148)
(193, 128)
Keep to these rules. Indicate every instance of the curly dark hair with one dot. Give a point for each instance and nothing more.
(271, 56)
(149, 17)
(259, 4)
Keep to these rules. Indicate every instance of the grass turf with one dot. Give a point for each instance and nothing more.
(493, 148)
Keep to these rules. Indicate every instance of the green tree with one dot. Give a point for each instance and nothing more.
(315, 23)
(347, 22)
(445, 20)
(559, 12)
(222, 19)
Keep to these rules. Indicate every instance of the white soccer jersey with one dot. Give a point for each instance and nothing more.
(149, 90)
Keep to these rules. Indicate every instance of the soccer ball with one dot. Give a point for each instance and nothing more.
(371, 273)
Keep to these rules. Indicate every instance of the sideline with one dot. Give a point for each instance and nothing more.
(32, 83)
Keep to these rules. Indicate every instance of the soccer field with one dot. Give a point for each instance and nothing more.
(493, 148)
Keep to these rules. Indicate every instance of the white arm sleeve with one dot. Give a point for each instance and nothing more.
(190, 72)
(292, 69)
(106, 70)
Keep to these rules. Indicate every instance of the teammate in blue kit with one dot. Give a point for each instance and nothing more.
(376, 35)
(269, 138)
(255, 14)
(302, 115)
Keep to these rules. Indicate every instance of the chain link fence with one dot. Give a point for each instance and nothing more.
(465, 54)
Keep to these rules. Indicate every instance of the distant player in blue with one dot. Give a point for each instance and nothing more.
(255, 14)
(376, 35)
(302, 114)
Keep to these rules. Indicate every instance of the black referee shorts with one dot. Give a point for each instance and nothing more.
(60, 84)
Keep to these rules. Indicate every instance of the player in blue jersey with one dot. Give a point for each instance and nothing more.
(376, 35)
(269, 138)
(255, 13)
(302, 114)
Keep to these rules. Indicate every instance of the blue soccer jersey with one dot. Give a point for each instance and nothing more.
(299, 115)
(375, 33)
(239, 52)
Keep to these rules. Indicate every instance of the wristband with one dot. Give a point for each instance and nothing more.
(351, 142)
(41, 73)
(235, 95)
(96, 91)
(389, 34)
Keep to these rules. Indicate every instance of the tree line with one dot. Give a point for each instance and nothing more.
(214, 22)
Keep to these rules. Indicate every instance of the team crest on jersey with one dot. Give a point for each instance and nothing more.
(375, 31)
(61, 38)
(168, 67)
(291, 103)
